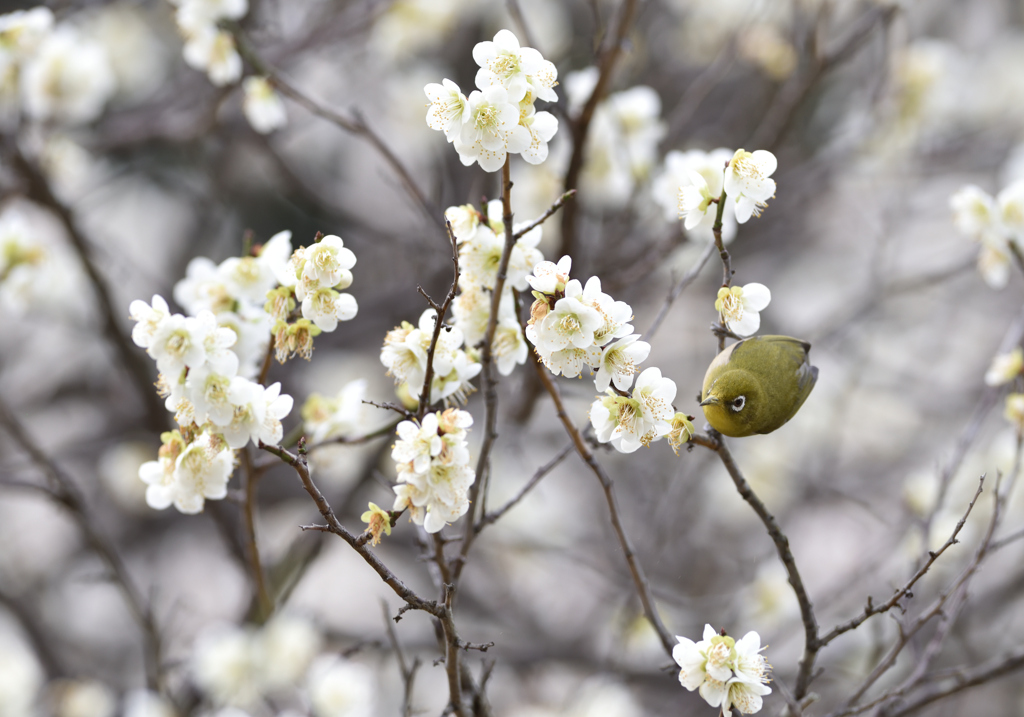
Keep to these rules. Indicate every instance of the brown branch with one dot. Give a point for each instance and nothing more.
(489, 384)
(264, 603)
(139, 368)
(811, 643)
(67, 494)
(384, 430)
(871, 609)
(301, 467)
(408, 672)
(636, 570)
(581, 126)
(451, 654)
(354, 125)
(544, 217)
(439, 314)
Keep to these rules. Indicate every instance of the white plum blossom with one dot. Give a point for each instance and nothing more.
(226, 667)
(143, 703)
(21, 677)
(187, 474)
(209, 392)
(328, 263)
(432, 461)
(995, 223)
(464, 219)
(341, 688)
(740, 307)
(1005, 368)
(695, 201)
(405, 355)
(748, 182)
(214, 52)
(549, 278)
(148, 317)
(262, 106)
(207, 47)
(258, 413)
(68, 78)
(542, 127)
(326, 307)
(82, 698)
(619, 361)
(492, 129)
(286, 645)
(180, 341)
(570, 322)
(675, 179)
(520, 70)
(509, 348)
(338, 417)
(631, 422)
(417, 445)
(728, 673)
(449, 108)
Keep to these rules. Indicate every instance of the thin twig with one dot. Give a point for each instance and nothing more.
(544, 217)
(811, 644)
(264, 601)
(439, 314)
(385, 430)
(643, 588)
(67, 494)
(299, 464)
(408, 671)
(138, 367)
(580, 128)
(493, 516)
(871, 609)
(489, 385)
(354, 125)
(685, 281)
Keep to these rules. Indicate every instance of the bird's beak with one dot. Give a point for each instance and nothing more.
(712, 399)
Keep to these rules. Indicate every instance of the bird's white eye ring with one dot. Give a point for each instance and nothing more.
(738, 403)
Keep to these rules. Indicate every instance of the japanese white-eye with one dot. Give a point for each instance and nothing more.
(757, 384)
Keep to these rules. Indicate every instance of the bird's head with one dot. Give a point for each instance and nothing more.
(732, 403)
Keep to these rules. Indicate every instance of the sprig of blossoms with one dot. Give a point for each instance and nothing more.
(728, 673)
(573, 326)
(405, 351)
(996, 223)
(434, 474)
(208, 360)
(498, 118)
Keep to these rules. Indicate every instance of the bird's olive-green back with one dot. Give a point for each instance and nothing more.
(774, 375)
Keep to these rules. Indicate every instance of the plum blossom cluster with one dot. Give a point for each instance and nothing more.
(434, 475)
(406, 350)
(208, 359)
(316, 277)
(995, 223)
(573, 326)
(481, 241)
(622, 144)
(498, 118)
(727, 673)
(677, 174)
(51, 72)
(744, 184)
(239, 668)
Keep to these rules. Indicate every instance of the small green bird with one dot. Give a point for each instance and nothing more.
(757, 384)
